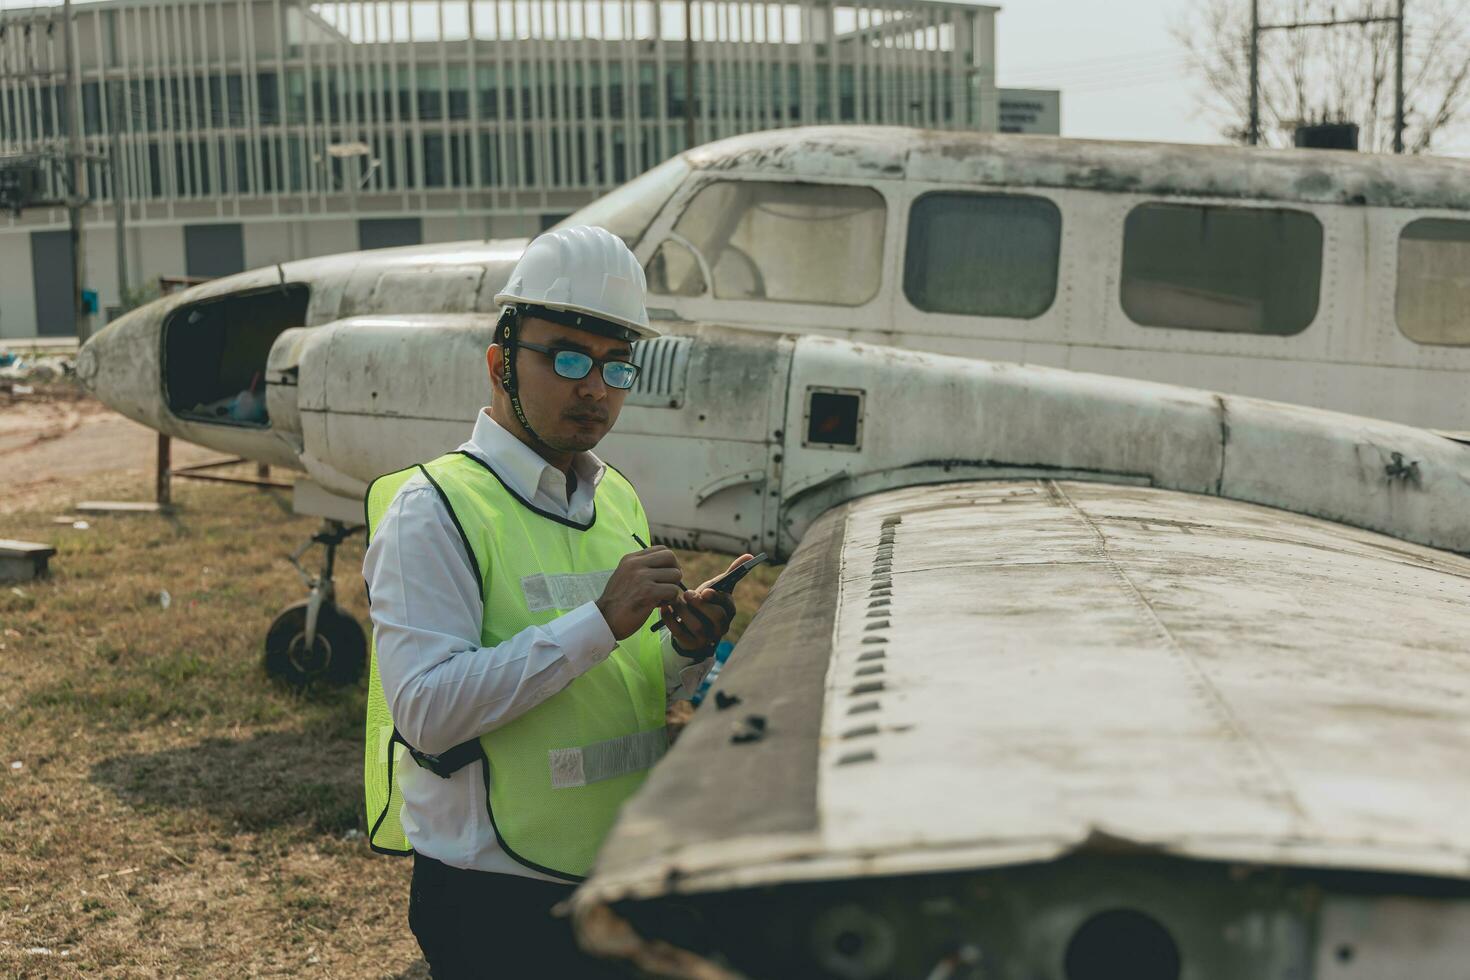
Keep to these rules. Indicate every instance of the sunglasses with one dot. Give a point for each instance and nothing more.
(575, 365)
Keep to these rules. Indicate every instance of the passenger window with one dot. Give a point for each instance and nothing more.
(1433, 304)
(1236, 270)
(791, 243)
(983, 254)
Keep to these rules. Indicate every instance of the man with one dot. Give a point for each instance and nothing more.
(518, 690)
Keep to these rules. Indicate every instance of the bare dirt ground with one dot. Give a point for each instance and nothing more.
(166, 810)
(57, 433)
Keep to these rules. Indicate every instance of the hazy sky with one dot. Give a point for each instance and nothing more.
(1122, 75)
(1121, 72)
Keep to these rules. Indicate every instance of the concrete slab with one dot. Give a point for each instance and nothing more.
(22, 561)
(121, 507)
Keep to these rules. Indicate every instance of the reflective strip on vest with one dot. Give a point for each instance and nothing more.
(565, 591)
(607, 760)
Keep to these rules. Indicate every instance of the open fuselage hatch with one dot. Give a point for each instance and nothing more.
(215, 351)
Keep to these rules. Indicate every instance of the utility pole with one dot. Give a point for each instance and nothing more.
(119, 199)
(1398, 82)
(74, 171)
(688, 74)
(1253, 133)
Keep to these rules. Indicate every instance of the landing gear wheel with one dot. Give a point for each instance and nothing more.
(335, 658)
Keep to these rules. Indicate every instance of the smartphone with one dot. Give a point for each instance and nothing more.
(726, 583)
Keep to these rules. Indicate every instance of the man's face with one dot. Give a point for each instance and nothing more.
(569, 416)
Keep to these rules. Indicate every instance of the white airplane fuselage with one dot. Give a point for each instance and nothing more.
(1358, 302)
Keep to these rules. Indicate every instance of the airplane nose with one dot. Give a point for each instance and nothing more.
(119, 364)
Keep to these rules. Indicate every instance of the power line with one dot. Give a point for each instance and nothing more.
(1253, 126)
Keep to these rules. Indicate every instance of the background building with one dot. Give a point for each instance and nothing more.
(1031, 110)
(256, 131)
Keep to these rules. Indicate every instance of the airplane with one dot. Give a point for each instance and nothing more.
(1068, 675)
(1330, 279)
(1324, 278)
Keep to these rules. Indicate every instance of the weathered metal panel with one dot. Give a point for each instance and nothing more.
(380, 392)
(930, 418)
(1381, 936)
(387, 392)
(999, 159)
(1351, 470)
(1017, 669)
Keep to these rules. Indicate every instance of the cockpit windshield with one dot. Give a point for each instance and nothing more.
(628, 211)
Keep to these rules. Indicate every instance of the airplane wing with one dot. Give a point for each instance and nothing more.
(976, 719)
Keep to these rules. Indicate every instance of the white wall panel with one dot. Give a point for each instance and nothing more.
(515, 226)
(157, 251)
(267, 243)
(454, 228)
(17, 291)
(100, 271)
(327, 237)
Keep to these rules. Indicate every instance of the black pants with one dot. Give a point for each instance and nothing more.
(477, 924)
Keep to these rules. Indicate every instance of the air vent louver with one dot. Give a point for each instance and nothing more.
(665, 367)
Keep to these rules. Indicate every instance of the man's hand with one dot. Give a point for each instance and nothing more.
(642, 582)
(700, 617)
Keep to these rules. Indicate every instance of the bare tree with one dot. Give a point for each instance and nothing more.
(1341, 73)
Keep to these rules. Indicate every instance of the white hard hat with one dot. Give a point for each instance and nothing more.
(582, 270)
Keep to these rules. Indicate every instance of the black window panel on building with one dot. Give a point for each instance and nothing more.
(983, 254)
(267, 99)
(1432, 305)
(1227, 269)
(389, 232)
(434, 160)
(55, 288)
(211, 251)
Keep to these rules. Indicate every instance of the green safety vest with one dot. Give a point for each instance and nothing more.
(558, 773)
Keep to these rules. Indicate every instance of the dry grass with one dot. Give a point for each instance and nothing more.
(174, 813)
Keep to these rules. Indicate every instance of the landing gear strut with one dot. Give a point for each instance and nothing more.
(312, 641)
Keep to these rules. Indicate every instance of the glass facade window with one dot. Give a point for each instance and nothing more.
(295, 97)
(267, 99)
(459, 93)
(431, 106)
(434, 160)
(488, 89)
(91, 109)
(784, 242)
(647, 91)
(674, 91)
(1225, 269)
(982, 254)
(846, 94)
(1432, 305)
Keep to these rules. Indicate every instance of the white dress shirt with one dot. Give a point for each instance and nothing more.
(442, 687)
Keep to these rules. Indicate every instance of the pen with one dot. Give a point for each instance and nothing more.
(660, 624)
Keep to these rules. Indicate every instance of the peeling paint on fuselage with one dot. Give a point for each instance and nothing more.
(1175, 170)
